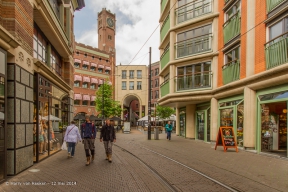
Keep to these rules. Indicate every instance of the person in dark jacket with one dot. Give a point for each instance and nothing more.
(108, 136)
(169, 129)
(88, 135)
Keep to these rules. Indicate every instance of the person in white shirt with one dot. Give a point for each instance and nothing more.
(72, 136)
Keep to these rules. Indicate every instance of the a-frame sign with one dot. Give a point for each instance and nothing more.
(226, 138)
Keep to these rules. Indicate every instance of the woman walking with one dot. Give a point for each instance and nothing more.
(72, 136)
(169, 129)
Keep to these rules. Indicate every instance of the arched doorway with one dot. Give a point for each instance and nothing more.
(133, 108)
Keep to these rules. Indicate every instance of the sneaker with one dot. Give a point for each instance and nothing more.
(69, 154)
(72, 156)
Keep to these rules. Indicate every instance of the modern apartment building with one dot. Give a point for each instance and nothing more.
(131, 90)
(155, 83)
(224, 63)
(36, 75)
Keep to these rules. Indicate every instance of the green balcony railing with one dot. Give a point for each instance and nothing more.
(232, 27)
(231, 72)
(165, 88)
(2, 92)
(271, 4)
(165, 27)
(165, 57)
(163, 3)
(276, 51)
(193, 10)
(193, 46)
(226, 1)
(193, 81)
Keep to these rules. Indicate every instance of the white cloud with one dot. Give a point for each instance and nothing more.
(136, 20)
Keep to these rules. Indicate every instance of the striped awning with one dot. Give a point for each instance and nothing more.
(93, 80)
(101, 66)
(93, 98)
(86, 98)
(108, 68)
(109, 83)
(100, 81)
(77, 97)
(86, 79)
(85, 63)
(93, 65)
(77, 78)
(77, 61)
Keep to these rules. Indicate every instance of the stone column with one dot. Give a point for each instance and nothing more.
(214, 69)
(68, 23)
(190, 121)
(250, 41)
(250, 117)
(177, 121)
(214, 119)
(172, 13)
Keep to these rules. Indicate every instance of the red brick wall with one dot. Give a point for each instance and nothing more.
(260, 39)
(17, 18)
(243, 39)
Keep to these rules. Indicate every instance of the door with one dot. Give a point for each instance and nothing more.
(200, 125)
(182, 125)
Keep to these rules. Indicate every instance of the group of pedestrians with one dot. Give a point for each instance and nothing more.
(87, 136)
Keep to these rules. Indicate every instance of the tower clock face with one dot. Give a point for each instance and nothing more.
(110, 22)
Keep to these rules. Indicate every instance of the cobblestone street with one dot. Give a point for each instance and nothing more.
(141, 165)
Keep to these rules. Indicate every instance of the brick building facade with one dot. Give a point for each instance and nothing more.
(36, 79)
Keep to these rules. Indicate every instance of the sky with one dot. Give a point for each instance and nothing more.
(136, 21)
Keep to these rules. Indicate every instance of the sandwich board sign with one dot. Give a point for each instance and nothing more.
(226, 138)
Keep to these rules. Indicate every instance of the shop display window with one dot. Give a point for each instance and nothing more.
(200, 125)
(182, 122)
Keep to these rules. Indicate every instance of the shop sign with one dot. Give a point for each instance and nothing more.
(226, 138)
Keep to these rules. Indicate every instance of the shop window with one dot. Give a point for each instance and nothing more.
(124, 85)
(92, 68)
(85, 103)
(76, 102)
(274, 96)
(76, 84)
(84, 85)
(182, 122)
(76, 65)
(107, 72)
(85, 67)
(100, 70)
(124, 74)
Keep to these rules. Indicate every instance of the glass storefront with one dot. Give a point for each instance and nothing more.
(232, 115)
(273, 123)
(203, 123)
(3, 66)
(51, 117)
(182, 122)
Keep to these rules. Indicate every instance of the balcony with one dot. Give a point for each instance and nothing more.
(227, 1)
(165, 27)
(165, 57)
(232, 27)
(165, 88)
(193, 46)
(192, 10)
(231, 72)
(271, 4)
(163, 3)
(194, 81)
(276, 51)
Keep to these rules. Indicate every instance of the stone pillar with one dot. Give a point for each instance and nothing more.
(214, 119)
(68, 23)
(214, 69)
(250, 117)
(190, 121)
(177, 121)
(250, 40)
(172, 13)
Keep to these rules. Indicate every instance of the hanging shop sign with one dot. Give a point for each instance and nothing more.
(226, 138)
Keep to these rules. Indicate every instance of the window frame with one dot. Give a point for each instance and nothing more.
(132, 85)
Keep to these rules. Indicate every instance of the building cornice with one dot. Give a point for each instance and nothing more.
(7, 40)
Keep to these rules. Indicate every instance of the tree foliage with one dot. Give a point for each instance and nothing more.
(164, 112)
(111, 107)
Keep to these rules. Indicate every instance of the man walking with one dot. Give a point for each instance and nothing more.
(88, 134)
(169, 129)
(108, 137)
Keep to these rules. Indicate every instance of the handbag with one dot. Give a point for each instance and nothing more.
(64, 146)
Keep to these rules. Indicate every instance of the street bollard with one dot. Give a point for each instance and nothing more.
(156, 133)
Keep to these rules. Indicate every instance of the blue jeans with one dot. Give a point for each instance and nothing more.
(71, 148)
(169, 135)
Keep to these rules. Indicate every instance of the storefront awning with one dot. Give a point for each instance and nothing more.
(100, 81)
(86, 79)
(109, 83)
(77, 97)
(101, 66)
(93, 98)
(77, 78)
(108, 68)
(85, 63)
(93, 65)
(86, 98)
(77, 61)
(94, 81)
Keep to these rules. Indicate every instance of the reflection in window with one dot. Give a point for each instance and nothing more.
(274, 96)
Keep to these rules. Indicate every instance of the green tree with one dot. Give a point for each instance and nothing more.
(164, 112)
(111, 107)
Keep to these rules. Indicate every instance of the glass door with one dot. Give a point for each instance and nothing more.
(183, 124)
(200, 125)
